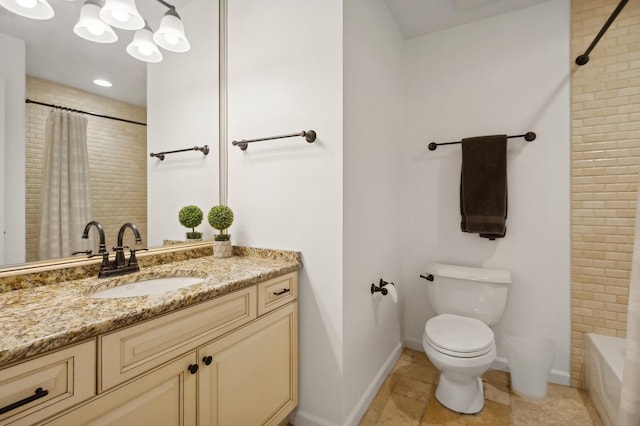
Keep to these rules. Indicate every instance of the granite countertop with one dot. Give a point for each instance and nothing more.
(39, 319)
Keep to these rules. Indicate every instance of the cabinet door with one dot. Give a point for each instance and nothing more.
(165, 396)
(39, 388)
(252, 378)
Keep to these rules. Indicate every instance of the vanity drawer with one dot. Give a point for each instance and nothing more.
(277, 292)
(131, 351)
(39, 388)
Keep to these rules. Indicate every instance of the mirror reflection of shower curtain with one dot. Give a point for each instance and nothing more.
(66, 190)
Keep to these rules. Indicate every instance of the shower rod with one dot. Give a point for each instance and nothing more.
(29, 101)
(584, 58)
(529, 136)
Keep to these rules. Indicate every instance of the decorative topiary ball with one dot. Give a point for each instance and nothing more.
(220, 217)
(190, 216)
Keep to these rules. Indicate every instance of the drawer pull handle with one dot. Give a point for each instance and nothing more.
(207, 360)
(193, 368)
(38, 394)
(281, 292)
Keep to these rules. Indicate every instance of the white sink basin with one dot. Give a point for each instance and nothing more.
(147, 287)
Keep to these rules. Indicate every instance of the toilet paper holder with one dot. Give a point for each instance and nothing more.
(380, 288)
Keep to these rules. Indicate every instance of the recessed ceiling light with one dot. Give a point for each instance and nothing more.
(103, 83)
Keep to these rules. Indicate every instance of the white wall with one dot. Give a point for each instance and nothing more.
(285, 75)
(12, 71)
(182, 113)
(506, 74)
(374, 131)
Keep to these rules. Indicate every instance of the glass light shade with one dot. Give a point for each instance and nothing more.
(170, 35)
(143, 48)
(91, 27)
(122, 14)
(34, 9)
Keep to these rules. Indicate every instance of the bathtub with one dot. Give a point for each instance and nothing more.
(604, 362)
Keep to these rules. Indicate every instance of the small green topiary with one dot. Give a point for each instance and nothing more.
(190, 217)
(221, 218)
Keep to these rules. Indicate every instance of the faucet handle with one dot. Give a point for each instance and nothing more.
(105, 265)
(87, 252)
(133, 261)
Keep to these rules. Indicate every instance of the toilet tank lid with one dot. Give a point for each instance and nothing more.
(469, 273)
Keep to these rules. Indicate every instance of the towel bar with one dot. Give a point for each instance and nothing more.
(529, 136)
(309, 135)
(160, 155)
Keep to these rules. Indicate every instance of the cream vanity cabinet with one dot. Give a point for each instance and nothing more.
(43, 386)
(229, 361)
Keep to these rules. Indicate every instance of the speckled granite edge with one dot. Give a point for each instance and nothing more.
(73, 272)
(47, 317)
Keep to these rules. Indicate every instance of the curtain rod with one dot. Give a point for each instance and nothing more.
(529, 136)
(29, 101)
(584, 58)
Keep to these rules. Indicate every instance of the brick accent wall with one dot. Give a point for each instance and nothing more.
(117, 160)
(605, 163)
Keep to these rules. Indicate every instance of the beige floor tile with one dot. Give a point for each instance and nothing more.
(401, 411)
(562, 406)
(407, 397)
(493, 413)
(414, 389)
(424, 372)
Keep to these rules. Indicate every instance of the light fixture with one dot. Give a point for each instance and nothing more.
(170, 35)
(97, 17)
(143, 48)
(91, 27)
(101, 82)
(34, 9)
(122, 14)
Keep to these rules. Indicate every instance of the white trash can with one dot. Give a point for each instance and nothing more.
(530, 360)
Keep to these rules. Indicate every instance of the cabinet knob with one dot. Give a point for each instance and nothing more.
(207, 360)
(193, 368)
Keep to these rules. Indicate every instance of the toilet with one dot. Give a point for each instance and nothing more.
(458, 340)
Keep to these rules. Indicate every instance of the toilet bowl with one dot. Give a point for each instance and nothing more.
(458, 340)
(462, 349)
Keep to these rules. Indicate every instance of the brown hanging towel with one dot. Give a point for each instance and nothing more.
(483, 186)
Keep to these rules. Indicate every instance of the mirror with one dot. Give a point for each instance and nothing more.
(177, 98)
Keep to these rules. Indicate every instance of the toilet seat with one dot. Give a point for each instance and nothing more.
(459, 336)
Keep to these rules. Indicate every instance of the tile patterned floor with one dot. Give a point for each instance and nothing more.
(407, 398)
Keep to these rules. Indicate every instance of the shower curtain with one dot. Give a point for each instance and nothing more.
(629, 410)
(66, 191)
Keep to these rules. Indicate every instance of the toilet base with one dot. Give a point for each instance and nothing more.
(460, 396)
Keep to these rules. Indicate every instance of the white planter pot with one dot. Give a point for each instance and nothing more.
(222, 249)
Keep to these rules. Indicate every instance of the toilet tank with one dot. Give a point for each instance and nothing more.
(471, 292)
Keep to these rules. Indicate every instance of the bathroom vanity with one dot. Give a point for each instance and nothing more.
(222, 352)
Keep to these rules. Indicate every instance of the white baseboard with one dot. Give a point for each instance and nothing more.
(365, 401)
(302, 418)
(415, 344)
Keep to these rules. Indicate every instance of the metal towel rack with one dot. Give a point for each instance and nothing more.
(309, 135)
(160, 155)
(529, 136)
